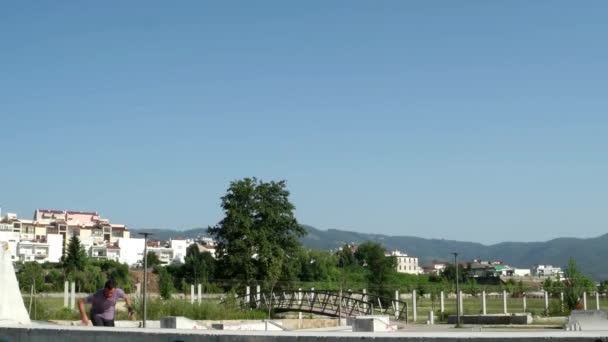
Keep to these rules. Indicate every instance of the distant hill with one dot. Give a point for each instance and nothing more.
(590, 254)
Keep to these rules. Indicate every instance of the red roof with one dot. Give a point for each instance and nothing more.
(50, 211)
(81, 213)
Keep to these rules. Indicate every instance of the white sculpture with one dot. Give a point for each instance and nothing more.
(12, 310)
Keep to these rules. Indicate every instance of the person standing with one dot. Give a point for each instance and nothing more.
(103, 303)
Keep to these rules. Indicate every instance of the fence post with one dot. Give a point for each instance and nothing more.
(66, 290)
(73, 297)
(257, 296)
(191, 293)
(396, 304)
(414, 314)
(441, 302)
(460, 303)
(247, 295)
(504, 302)
(597, 300)
(585, 300)
(546, 303)
(483, 303)
(199, 292)
(524, 298)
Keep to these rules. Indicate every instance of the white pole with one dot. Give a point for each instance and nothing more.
(460, 303)
(442, 302)
(585, 300)
(199, 292)
(561, 301)
(597, 300)
(192, 294)
(257, 296)
(431, 317)
(396, 304)
(504, 302)
(66, 293)
(414, 314)
(546, 302)
(300, 302)
(247, 294)
(364, 299)
(483, 303)
(73, 297)
(524, 298)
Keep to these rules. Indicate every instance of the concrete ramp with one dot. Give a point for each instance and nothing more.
(12, 309)
(587, 320)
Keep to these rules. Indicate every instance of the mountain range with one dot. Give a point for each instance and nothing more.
(591, 254)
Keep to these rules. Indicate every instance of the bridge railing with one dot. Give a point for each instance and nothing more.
(326, 302)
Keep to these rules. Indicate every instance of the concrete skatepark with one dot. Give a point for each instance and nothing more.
(15, 325)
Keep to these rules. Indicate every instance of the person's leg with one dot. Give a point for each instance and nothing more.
(97, 321)
(108, 322)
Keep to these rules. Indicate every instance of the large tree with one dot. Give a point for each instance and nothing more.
(259, 226)
(198, 267)
(75, 258)
(380, 267)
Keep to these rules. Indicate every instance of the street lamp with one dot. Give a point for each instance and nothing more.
(145, 275)
(457, 292)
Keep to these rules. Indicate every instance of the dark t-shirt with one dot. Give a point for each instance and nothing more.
(102, 306)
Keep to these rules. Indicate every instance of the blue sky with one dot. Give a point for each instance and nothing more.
(482, 121)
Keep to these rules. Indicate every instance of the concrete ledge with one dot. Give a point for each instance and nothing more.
(492, 319)
(85, 334)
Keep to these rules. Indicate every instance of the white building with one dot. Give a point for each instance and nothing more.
(405, 263)
(49, 250)
(179, 247)
(131, 251)
(548, 271)
(522, 272)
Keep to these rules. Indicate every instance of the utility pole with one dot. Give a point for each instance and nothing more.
(457, 292)
(145, 276)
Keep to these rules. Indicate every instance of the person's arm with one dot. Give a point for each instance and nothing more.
(83, 315)
(129, 307)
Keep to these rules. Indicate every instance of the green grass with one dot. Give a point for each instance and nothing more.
(44, 308)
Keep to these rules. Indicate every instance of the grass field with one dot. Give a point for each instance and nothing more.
(45, 308)
(494, 305)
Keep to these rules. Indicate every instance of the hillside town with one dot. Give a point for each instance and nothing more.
(44, 238)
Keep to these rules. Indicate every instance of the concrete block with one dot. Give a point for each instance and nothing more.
(372, 324)
(176, 322)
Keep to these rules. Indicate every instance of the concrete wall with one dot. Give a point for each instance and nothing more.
(82, 334)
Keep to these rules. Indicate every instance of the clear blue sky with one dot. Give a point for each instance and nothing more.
(481, 120)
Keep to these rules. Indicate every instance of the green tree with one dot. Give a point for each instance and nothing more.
(90, 279)
(346, 257)
(380, 267)
(258, 224)
(198, 267)
(449, 273)
(117, 271)
(317, 266)
(165, 282)
(75, 257)
(576, 283)
(31, 274)
(153, 259)
(274, 273)
(471, 287)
